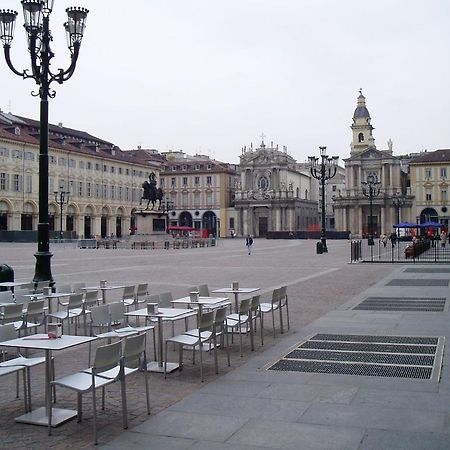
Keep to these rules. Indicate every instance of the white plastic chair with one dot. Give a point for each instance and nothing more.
(74, 310)
(129, 296)
(12, 313)
(106, 370)
(117, 316)
(134, 358)
(34, 316)
(203, 290)
(237, 321)
(271, 307)
(91, 299)
(141, 293)
(205, 333)
(18, 361)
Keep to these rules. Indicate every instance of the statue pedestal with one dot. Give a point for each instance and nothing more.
(150, 223)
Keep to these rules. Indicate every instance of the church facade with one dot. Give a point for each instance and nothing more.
(273, 192)
(357, 212)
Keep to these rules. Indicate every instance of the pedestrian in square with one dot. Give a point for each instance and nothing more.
(249, 243)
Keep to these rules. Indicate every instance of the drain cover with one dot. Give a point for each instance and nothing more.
(427, 270)
(366, 355)
(419, 282)
(402, 304)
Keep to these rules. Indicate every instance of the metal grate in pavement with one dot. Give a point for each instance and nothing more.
(372, 370)
(417, 282)
(418, 304)
(427, 270)
(420, 340)
(366, 355)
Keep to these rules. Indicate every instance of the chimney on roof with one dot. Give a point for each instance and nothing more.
(139, 147)
(60, 124)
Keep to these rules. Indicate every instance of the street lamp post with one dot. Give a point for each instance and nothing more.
(397, 202)
(37, 17)
(371, 189)
(61, 198)
(323, 171)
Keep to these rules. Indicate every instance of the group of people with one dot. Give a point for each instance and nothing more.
(442, 237)
(392, 237)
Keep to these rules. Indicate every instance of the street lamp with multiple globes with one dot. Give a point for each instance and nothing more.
(37, 17)
(61, 198)
(371, 189)
(397, 202)
(323, 171)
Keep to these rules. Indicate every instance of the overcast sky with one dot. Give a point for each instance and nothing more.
(210, 76)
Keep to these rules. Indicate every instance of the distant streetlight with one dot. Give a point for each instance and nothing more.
(397, 202)
(323, 171)
(371, 189)
(61, 198)
(37, 20)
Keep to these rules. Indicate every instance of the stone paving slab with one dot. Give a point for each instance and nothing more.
(401, 440)
(285, 435)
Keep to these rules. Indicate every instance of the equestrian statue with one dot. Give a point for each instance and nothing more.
(151, 192)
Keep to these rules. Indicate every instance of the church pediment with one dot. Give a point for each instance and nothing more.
(266, 158)
(370, 153)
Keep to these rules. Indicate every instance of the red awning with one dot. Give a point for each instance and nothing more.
(175, 228)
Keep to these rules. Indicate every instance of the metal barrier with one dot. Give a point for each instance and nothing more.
(402, 252)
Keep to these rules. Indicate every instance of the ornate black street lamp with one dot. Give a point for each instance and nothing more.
(371, 189)
(37, 17)
(61, 198)
(397, 202)
(323, 171)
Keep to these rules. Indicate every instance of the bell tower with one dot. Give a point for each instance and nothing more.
(361, 127)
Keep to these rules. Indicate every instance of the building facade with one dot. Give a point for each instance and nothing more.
(356, 211)
(430, 180)
(200, 190)
(273, 193)
(103, 182)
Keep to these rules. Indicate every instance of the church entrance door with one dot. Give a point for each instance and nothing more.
(262, 226)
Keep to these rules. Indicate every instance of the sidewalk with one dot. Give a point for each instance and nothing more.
(255, 408)
(322, 290)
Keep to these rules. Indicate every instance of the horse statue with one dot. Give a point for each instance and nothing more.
(152, 194)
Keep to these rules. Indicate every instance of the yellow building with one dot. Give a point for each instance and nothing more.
(430, 177)
(103, 182)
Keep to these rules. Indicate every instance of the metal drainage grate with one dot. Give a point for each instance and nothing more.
(411, 282)
(367, 355)
(427, 270)
(402, 304)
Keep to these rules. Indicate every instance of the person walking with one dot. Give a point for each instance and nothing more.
(443, 238)
(249, 243)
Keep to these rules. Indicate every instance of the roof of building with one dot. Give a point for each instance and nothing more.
(438, 156)
(24, 130)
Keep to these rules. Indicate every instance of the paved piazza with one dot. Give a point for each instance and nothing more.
(317, 284)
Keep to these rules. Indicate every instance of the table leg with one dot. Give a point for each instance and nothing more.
(40, 416)
(158, 366)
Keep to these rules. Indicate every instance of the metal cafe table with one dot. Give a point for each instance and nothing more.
(49, 298)
(236, 292)
(168, 315)
(43, 342)
(104, 288)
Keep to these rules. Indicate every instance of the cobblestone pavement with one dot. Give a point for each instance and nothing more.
(316, 285)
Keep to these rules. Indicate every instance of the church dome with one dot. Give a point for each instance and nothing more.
(361, 110)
